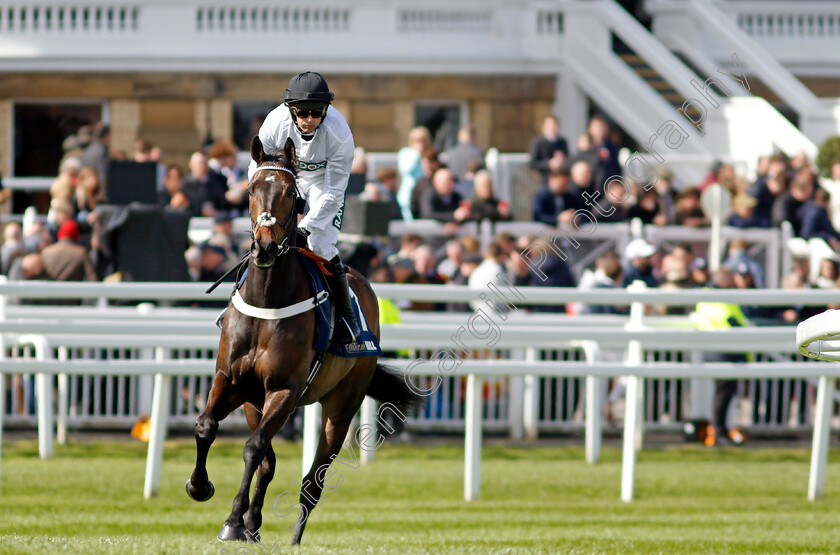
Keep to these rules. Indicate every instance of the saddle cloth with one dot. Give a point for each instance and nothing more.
(366, 344)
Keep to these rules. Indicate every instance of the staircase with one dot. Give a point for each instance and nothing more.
(642, 85)
(658, 83)
(706, 34)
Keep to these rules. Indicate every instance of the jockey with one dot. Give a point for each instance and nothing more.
(324, 147)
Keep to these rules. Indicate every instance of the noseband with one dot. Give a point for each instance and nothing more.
(265, 219)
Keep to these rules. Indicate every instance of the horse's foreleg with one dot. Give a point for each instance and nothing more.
(222, 400)
(265, 472)
(278, 406)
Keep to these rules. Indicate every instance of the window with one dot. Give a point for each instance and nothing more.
(442, 119)
(40, 128)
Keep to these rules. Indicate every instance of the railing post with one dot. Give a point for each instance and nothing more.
(4, 299)
(3, 279)
(63, 398)
(368, 421)
(531, 398)
(2, 409)
(472, 439)
(637, 229)
(516, 394)
(773, 253)
(145, 382)
(628, 458)
(145, 387)
(311, 434)
(635, 356)
(785, 234)
(158, 425)
(819, 448)
(501, 182)
(702, 392)
(44, 399)
(633, 411)
(485, 232)
(594, 406)
(716, 241)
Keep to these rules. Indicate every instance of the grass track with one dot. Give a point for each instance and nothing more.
(88, 499)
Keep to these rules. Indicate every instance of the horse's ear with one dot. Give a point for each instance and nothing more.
(257, 149)
(289, 151)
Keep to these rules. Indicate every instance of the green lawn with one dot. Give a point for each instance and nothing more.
(88, 499)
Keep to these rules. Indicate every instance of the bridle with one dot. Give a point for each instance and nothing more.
(265, 219)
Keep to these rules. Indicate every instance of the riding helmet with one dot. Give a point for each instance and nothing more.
(308, 88)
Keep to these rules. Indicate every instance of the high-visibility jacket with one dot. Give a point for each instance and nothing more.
(720, 316)
(389, 313)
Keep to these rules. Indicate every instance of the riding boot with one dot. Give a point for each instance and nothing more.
(347, 327)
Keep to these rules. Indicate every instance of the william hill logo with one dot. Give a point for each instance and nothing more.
(359, 347)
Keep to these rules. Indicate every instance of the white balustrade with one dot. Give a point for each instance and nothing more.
(197, 35)
(69, 17)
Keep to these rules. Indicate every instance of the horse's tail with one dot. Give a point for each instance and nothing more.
(390, 386)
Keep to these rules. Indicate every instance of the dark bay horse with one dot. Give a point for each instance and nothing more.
(264, 363)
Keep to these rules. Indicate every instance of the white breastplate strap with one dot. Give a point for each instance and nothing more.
(277, 313)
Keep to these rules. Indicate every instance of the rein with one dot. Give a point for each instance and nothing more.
(265, 219)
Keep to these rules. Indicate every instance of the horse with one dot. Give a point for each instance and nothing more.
(265, 364)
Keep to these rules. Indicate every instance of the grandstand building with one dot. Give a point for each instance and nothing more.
(740, 78)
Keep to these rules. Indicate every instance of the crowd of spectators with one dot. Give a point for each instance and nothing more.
(454, 187)
(65, 247)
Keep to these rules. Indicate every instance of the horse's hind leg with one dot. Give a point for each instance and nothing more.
(265, 472)
(339, 408)
(277, 408)
(222, 400)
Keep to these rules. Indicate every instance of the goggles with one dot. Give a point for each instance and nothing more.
(305, 113)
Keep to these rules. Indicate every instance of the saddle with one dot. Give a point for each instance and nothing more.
(316, 268)
(366, 344)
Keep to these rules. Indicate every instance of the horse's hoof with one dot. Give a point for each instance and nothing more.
(200, 495)
(233, 534)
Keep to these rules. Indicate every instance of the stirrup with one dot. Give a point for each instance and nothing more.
(220, 318)
(343, 333)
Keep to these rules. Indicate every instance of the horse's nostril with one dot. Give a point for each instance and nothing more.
(263, 252)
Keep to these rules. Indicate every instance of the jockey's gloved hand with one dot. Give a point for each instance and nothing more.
(302, 235)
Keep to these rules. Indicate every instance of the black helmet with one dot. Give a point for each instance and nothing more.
(308, 88)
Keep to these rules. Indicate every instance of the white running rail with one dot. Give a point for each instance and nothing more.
(817, 337)
(138, 333)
